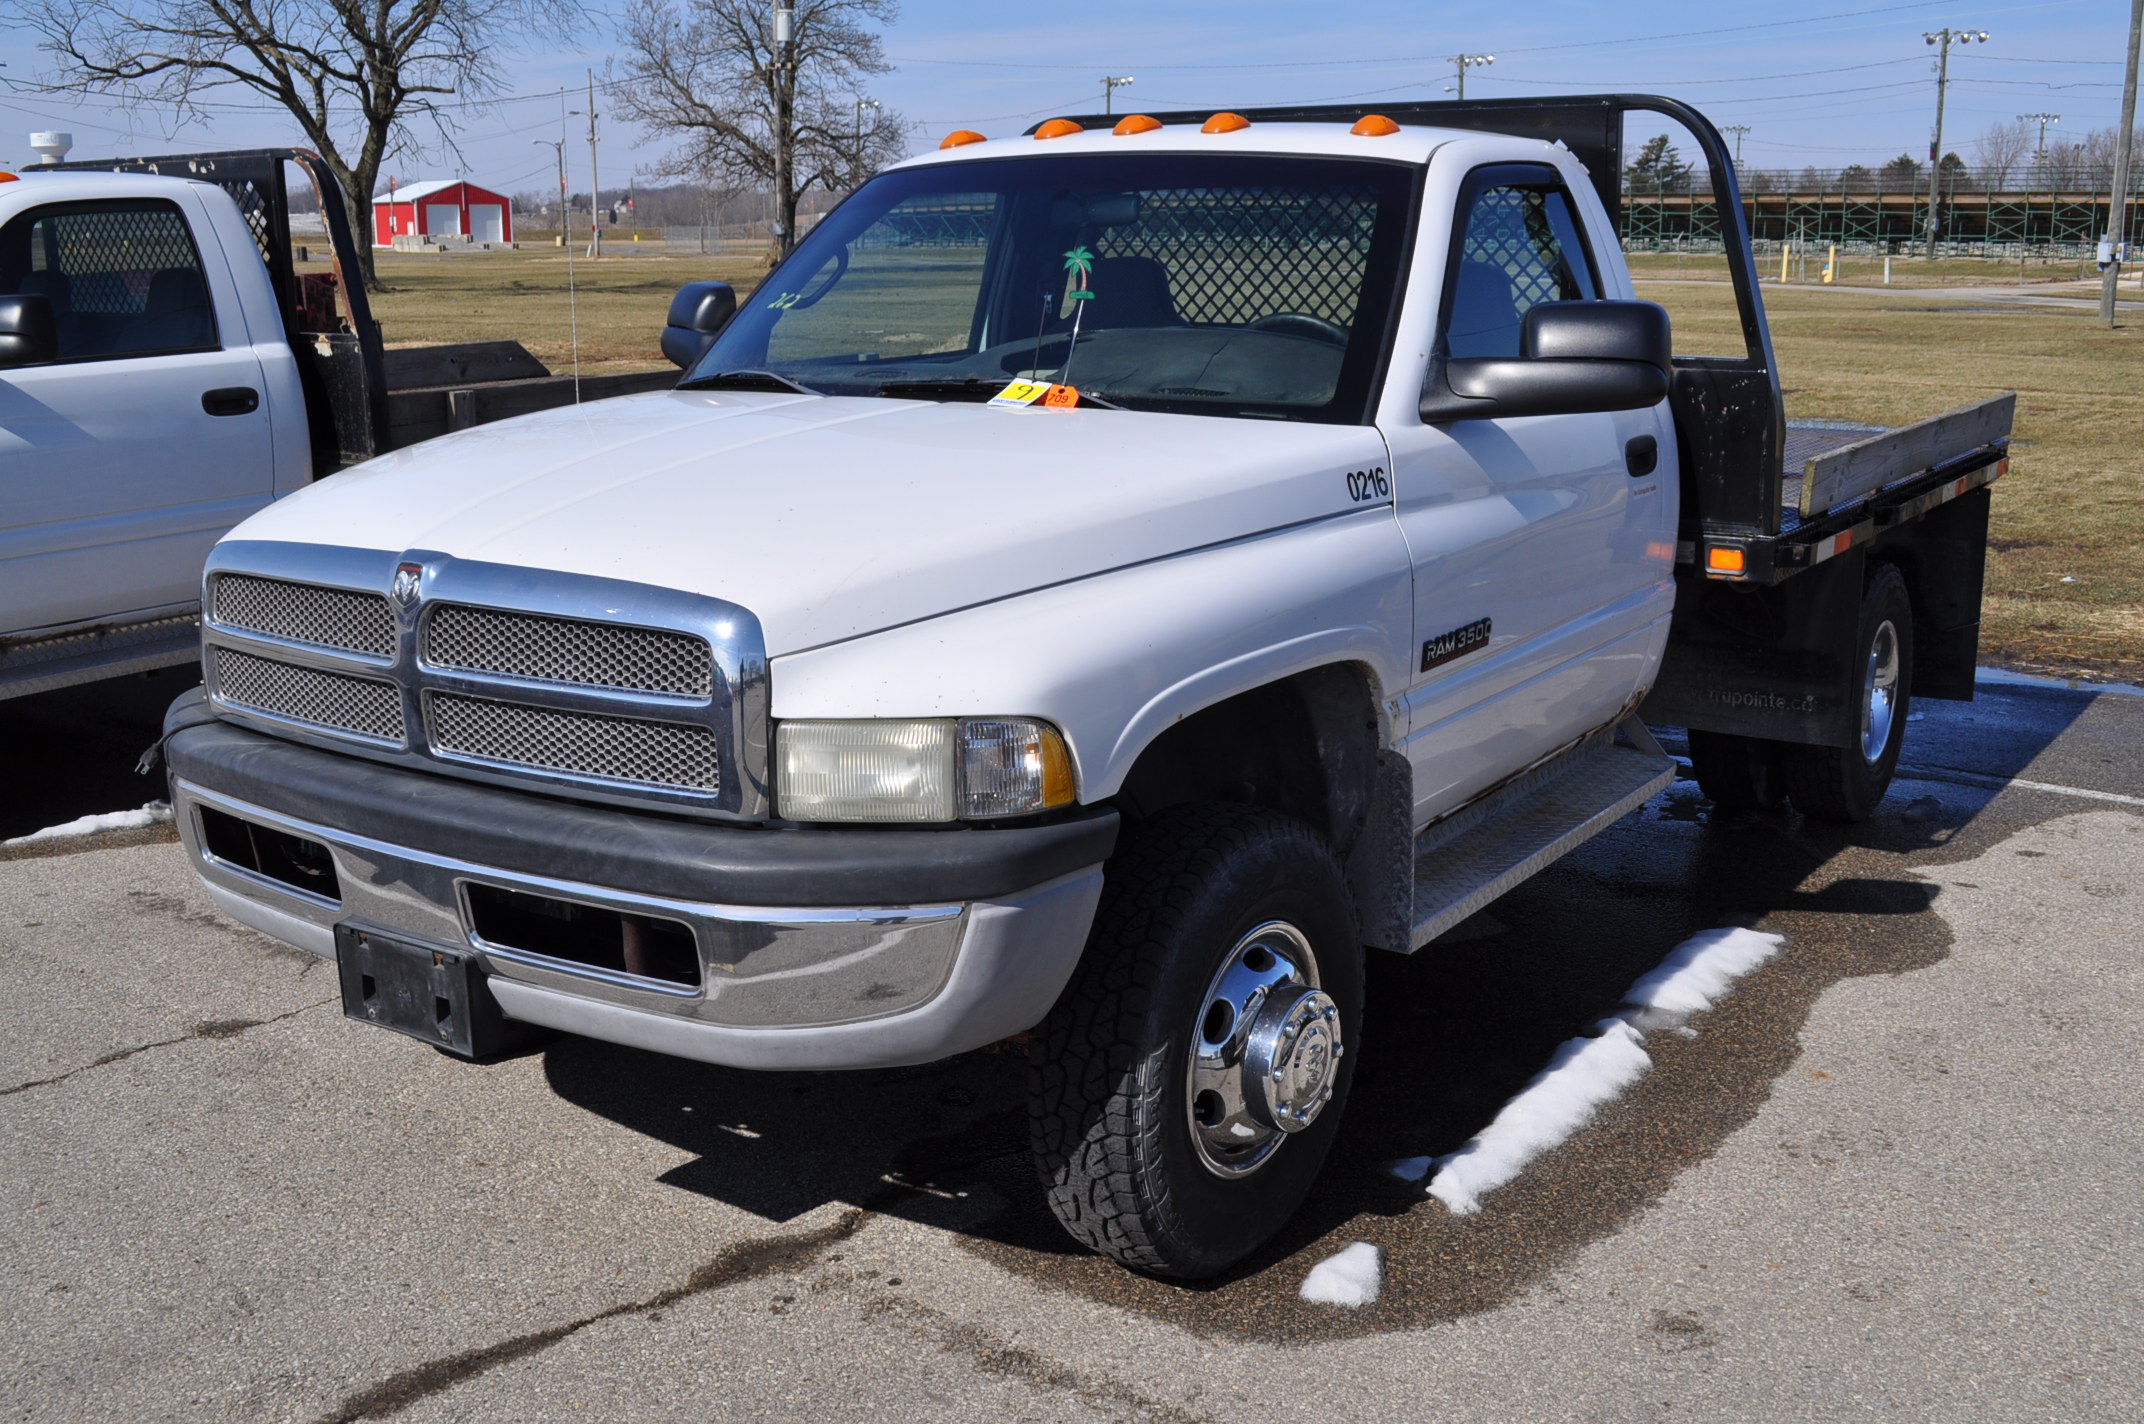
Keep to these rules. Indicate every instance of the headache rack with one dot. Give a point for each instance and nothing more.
(1772, 502)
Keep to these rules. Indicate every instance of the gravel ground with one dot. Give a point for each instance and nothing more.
(1892, 1175)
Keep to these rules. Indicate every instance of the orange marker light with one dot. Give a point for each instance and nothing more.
(1058, 128)
(961, 137)
(1136, 124)
(1723, 561)
(1224, 122)
(9, 178)
(1374, 126)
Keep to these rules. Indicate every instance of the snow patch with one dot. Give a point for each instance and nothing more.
(149, 815)
(1352, 1276)
(1584, 1073)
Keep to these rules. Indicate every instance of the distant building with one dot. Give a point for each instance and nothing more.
(442, 207)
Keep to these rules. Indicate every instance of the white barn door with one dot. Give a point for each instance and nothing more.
(487, 222)
(443, 219)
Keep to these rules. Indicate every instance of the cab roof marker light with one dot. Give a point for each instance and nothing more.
(10, 178)
(960, 137)
(1058, 128)
(1135, 124)
(1374, 126)
(1224, 122)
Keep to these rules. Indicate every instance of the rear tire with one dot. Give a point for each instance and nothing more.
(1155, 1138)
(1738, 772)
(1848, 783)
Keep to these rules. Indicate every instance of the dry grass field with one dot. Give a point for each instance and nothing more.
(2065, 589)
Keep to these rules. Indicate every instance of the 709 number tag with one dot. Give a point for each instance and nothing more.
(1368, 484)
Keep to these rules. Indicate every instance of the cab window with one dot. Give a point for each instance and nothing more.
(1521, 247)
(123, 278)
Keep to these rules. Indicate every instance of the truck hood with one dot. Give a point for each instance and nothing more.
(831, 517)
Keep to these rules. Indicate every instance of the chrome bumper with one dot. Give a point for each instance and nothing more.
(779, 988)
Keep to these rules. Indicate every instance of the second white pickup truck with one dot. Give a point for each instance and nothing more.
(852, 706)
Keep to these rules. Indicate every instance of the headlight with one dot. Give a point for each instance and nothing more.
(935, 770)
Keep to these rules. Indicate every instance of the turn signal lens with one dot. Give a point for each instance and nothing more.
(1224, 122)
(1136, 124)
(933, 769)
(1722, 560)
(1374, 126)
(959, 137)
(1058, 128)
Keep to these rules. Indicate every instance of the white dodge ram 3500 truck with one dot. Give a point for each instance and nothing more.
(838, 710)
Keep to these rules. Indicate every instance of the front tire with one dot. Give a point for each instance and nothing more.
(1187, 1087)
(1848, 783)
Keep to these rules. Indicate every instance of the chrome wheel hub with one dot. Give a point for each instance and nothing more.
(1266, 1051)
(1879, 692)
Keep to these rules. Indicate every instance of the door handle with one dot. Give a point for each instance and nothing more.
(231, 400)
(1641, 455)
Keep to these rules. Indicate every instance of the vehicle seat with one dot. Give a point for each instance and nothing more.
(1129, 291)
(1485, 315)
(174, 318)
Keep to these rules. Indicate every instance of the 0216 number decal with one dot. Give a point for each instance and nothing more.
(1368, 484)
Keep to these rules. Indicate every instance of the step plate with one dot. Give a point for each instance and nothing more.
(1518, 831)
(52, 663)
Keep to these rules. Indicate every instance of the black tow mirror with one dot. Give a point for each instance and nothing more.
(1574, 357)
(28, 334)
(698, 313)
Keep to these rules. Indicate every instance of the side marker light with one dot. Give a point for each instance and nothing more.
(1722, 560)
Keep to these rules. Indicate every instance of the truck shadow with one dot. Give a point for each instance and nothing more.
(1451, 1034)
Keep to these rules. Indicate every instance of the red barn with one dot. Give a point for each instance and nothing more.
(442, 207)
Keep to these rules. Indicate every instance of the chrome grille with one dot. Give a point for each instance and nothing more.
(671, 754)
(340, 703)
(306, 613)
(569, 650)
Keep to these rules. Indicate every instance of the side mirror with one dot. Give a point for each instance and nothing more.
(698, 313)
(1574, 357)
(28, 334)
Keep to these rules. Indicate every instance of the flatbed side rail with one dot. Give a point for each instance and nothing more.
(1858, 470)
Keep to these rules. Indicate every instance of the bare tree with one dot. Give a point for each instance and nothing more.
(707, 72)
(352, 73)
(1998, 152)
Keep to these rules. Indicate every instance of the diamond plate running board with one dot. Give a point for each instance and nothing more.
(1474, 855)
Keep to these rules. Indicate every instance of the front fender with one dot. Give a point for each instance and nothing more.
(1118, 658)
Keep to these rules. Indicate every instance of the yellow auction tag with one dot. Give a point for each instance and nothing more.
(1021, 393)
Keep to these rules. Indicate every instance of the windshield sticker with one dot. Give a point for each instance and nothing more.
(1024, 393)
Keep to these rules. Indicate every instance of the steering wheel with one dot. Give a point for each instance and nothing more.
(1315, 328)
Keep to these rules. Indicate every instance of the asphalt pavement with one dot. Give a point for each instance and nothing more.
(1893, 1175)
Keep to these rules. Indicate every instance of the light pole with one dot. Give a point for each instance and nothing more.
(1945, 37)
(1111, 83)
(558, 146)
(595, 186)
(1461, 63)
(2118, 200)
(2040, 162)
(1737, 130)
(861, 105)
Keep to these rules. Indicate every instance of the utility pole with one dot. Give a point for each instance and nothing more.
(2118, 204)
(861, 105)
(1111, 83)
(785, 23)
(1461, 63)
(2040, 161)
(1945, 37)
(558, 146)
(595, 187)
(1737, 130)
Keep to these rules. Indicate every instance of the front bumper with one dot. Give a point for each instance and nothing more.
(817, 949)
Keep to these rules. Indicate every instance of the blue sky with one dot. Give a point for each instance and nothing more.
(1831, 86)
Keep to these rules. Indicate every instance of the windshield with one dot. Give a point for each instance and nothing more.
(1248, 285)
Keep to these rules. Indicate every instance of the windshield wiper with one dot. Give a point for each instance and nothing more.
(941, 388)
(746, 381)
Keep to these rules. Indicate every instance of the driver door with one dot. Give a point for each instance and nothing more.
(1539, 558)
